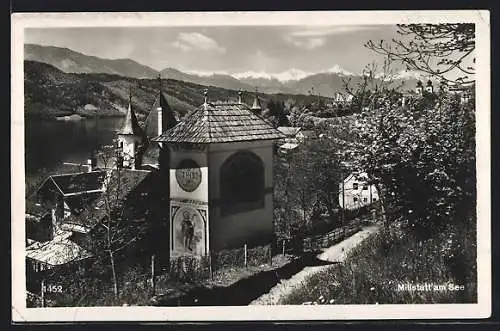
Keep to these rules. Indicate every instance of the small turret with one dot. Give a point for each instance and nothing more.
(256, 107)
(419, 88)
(429, 88)
(205, 97)
(240, 93)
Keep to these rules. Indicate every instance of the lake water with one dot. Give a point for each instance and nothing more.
(50, 143)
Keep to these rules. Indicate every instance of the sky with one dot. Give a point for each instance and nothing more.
(284, 52)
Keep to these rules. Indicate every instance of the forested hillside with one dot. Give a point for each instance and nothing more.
(50, 92)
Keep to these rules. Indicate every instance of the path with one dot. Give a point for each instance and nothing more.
(335, 253)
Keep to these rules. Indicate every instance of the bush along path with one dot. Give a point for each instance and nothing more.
(323, 261)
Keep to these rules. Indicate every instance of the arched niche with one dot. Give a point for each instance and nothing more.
(242, 183)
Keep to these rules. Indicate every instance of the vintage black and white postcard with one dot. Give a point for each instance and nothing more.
(250, 166)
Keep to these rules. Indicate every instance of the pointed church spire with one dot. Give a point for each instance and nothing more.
(256, 107)
(167, 117)
(131, 124)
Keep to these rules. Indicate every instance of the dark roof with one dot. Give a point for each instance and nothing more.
(77, 203)
(120, 183)
(220, 123)
(79, 182)
(309, 133)
(131, 125)
(168, 117)
(290, 131)
(68, 168)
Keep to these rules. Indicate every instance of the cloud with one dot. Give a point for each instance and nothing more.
(196, 41)
(321, 31)
(311, 37)
(306, 43)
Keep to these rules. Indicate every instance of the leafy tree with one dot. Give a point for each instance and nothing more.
(375, 89)
(435, 49)
(307, 183)
(275, 111)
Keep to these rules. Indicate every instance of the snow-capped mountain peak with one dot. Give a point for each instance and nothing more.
(336, 69)
(284, 76)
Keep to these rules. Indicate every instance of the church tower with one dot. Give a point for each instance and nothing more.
(429, 88)
(130, 139)
(420, 88)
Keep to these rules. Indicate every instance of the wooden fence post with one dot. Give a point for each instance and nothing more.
(153, 285)
(245, 248)
(43, 292)
(270, 255)
(210, 268)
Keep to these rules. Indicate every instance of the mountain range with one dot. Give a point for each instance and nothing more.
(325, 83)
(50, 92)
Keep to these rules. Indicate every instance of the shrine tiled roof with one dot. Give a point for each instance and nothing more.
(220, 123)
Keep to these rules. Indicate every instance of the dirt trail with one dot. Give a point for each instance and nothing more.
(335, 253)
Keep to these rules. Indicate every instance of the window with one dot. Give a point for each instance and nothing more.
(365, 199)
(355, 199)
(365, 187)
(354, 186)
(374, 199)
(242, 183)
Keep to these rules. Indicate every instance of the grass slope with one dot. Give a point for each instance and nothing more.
(380, 269)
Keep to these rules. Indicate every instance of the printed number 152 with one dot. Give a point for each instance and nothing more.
(53, 288)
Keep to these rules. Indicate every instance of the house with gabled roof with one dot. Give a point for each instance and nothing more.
(356, 191)
(77, 204)
(68, 194)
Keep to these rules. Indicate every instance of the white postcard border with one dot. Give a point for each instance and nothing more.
(317, 312)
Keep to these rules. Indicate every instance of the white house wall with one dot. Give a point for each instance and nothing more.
(357, 198)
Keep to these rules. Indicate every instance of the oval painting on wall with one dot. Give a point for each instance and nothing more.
(188, 175)
(189, 232)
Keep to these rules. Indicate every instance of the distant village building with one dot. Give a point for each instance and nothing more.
(356, 192)
(290, 142)
(428, 87)
(464, 92)
(341, 98)
(294, 136)
(304, 135)
(420, 88)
